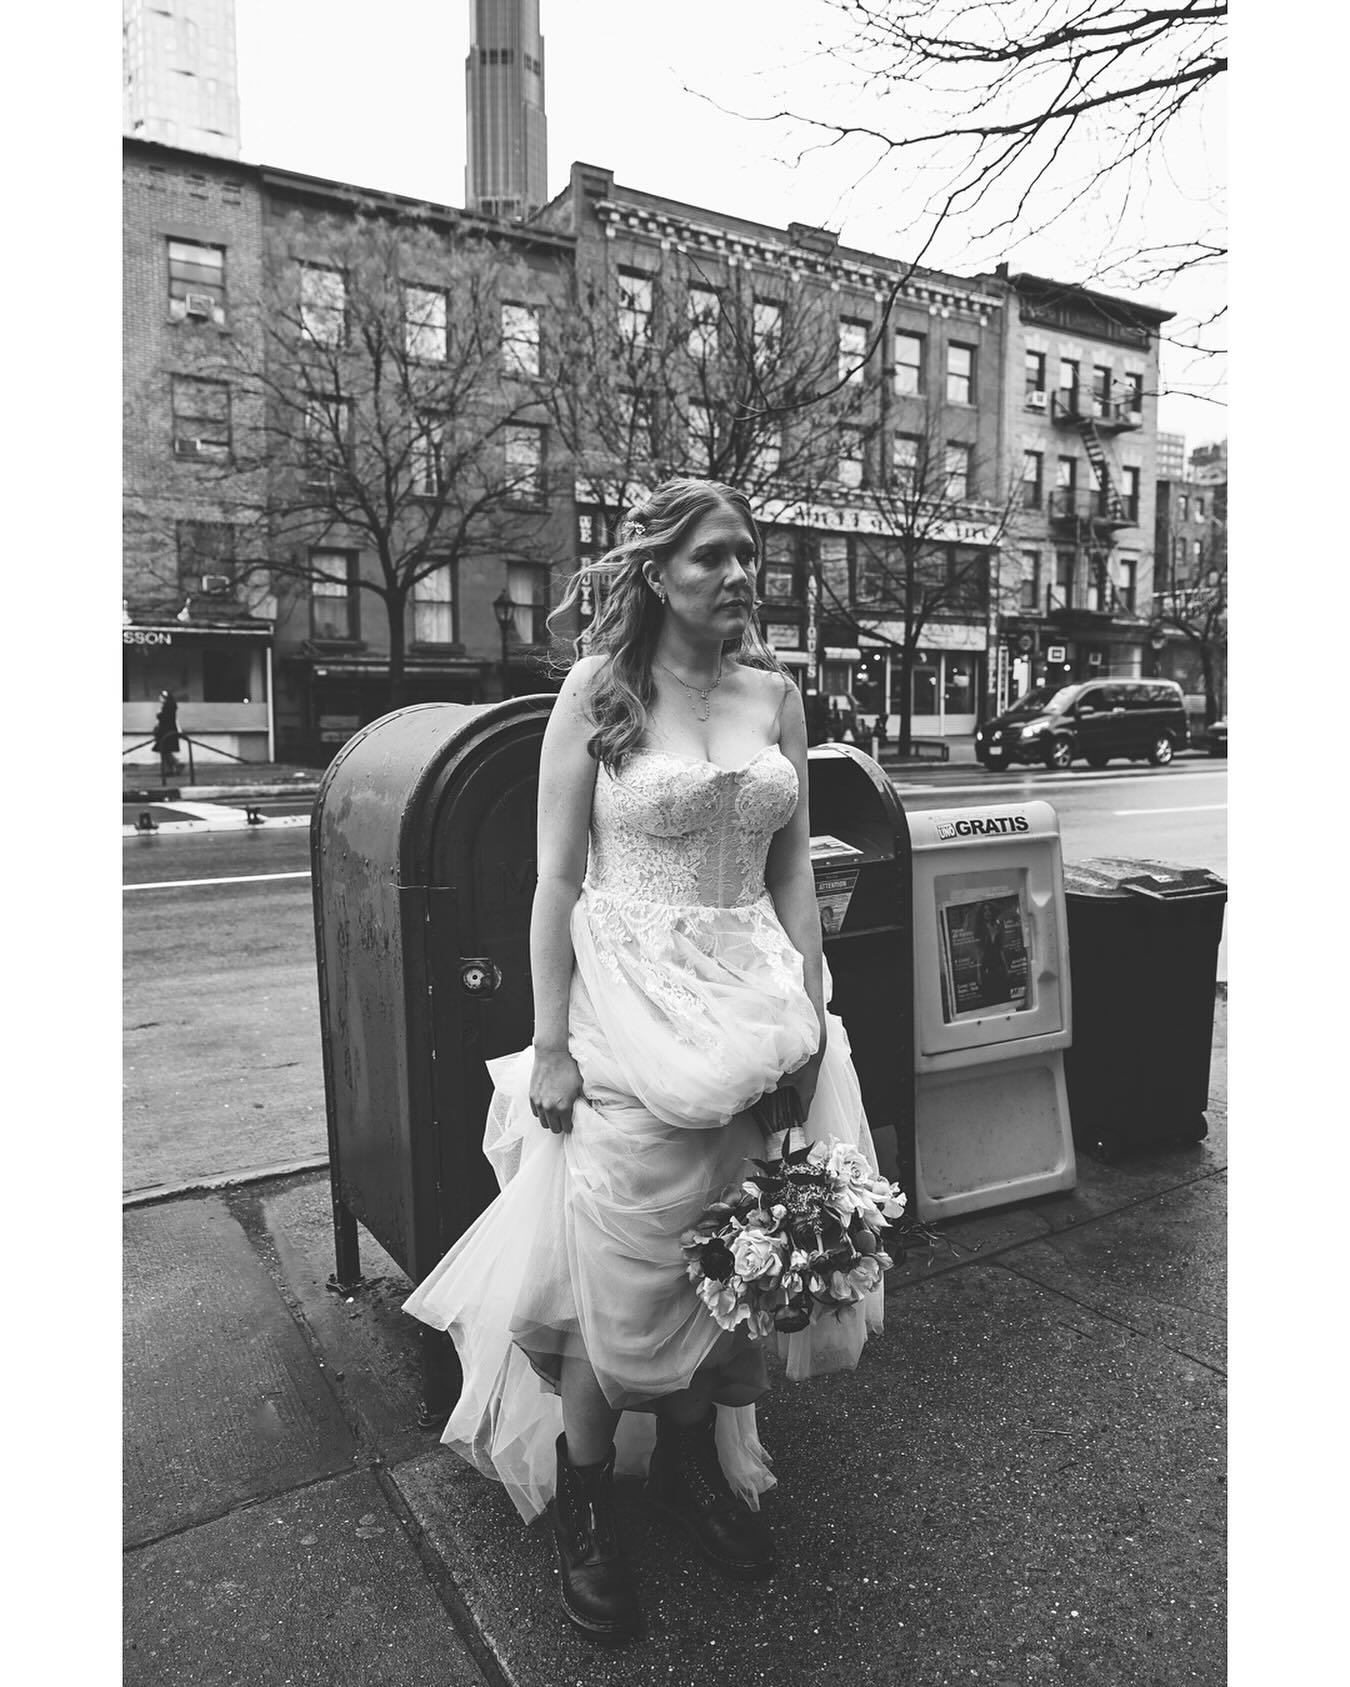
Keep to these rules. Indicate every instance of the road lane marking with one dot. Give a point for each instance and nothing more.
(1195, 808)
(1041, 787)
(192, 884)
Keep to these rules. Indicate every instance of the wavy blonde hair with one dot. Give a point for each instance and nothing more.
(628, 615)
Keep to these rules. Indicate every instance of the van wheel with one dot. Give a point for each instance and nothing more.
(1161, 753)
(1096, 760)
(1059, 754)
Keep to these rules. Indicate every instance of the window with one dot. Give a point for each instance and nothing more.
(699, 430)
(1066, 480)
(1134, 393)
(767, 318)
(1182, 507)
(852, 350)
(1064, 567)
(323, 305)
(781, 576)
(425, 335)
(834, 570)
(636, 293)
(1035, 372)
(1030, 595)
(333, 595)
(1125, 582)
(1033, 478)
(196, 282)
(905, 461)
(768, 452)
(1101, 391)
(434, 606)
(1178, 555)
(956, 467)
(1197, 554)
(850, 457)
(1132, 493)
(327, 425)
(704, 310)
(227, 676)
(908, 363)
(526, 587)
(520, 339)
(206, 560)
(1199, 503)
(429, 456)
(525, 461)
(960, 374)
(1068, 383)
(201, 419)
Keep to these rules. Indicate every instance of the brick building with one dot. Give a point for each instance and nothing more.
(1080, 390)
(1190, 584)
(272, 650)
(933, 373)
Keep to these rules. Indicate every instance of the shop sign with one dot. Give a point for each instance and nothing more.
(1056, 653)
(830, 518)
(783, 635)
(143, 635)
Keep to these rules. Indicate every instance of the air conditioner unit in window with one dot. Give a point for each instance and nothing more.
(200, 304)
(187, 447)
(1036, 400)
(216, 585)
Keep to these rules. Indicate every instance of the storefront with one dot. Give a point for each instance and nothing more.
(221, 678)
(341, 695)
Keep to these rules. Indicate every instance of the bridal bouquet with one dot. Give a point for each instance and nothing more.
(801, 1238)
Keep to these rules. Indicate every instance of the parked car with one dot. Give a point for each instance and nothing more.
(1216, 737)
(1094, 719)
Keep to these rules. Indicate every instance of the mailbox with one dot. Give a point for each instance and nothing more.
(861, 859)
(991, 1007)
(423, 842)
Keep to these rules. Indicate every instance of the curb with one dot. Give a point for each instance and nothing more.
(157, 1192)
(218, 793)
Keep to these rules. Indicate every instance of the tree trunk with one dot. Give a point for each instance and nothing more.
(396, 606)
(906, 709)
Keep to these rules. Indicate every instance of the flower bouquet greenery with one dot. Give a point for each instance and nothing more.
(802, 1238)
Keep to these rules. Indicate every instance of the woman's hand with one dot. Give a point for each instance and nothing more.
(555, 1084)
(805, 1079)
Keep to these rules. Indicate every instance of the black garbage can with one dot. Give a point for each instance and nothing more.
(1143, 960)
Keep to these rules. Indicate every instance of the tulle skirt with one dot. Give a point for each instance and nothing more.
(579, 1254)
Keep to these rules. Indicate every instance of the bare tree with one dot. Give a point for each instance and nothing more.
(933, 552)
(704, 380)
(1021, 112)
(1195, 604)
(381, 397)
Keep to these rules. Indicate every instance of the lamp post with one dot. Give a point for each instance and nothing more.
(504, 609)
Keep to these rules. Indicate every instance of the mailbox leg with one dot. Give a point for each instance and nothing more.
(347, 1245)
(441, 1379)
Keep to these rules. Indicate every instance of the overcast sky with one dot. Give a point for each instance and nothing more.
(374, 94)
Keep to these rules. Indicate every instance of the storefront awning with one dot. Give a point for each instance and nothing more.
(163, 634)
(331, 668)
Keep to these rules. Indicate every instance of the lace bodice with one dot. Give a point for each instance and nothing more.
(673, 830)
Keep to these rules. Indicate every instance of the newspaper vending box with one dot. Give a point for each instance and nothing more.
(991, 1008)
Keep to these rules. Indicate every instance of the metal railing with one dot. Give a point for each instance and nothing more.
(183, 738)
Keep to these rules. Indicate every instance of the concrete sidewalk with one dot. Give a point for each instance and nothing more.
(1023, 1482)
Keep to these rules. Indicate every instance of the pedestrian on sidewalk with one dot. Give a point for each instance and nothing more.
(165, 741)
(678, 979)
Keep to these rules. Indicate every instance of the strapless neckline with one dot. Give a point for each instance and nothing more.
(703, 761)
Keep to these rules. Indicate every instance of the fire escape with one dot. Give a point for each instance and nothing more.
(1091, 518)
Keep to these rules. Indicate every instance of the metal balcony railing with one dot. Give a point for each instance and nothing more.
(1092, 507)
(1111, 414)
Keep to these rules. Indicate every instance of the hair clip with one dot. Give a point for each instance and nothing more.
(636, 529)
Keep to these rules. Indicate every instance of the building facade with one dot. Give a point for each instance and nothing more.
(1190, 584)
(922, 378)
(1080, 383)
(263, 624)
(180, 82)
(506, 172)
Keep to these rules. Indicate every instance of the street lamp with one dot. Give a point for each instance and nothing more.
(504, 610)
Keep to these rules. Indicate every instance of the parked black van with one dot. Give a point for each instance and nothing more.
(1094, 719)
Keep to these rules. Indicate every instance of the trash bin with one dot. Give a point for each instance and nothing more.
(860, 854)
(1143, 958)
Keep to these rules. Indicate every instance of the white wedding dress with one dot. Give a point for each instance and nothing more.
(686, 1005)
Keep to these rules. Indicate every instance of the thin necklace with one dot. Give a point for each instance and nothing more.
(703, 693)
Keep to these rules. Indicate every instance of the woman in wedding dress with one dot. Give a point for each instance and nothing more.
(678, 978)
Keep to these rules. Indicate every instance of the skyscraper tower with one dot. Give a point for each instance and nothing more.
(179, 75)
(507, 170)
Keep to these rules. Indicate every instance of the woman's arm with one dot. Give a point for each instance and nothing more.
(566, 786)
(792, 885)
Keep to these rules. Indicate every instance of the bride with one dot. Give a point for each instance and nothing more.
(678, 977)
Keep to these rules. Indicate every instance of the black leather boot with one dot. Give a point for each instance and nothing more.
(597, 1588)
(686, 1483)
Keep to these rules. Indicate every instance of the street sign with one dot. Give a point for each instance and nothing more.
(1056, 653)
